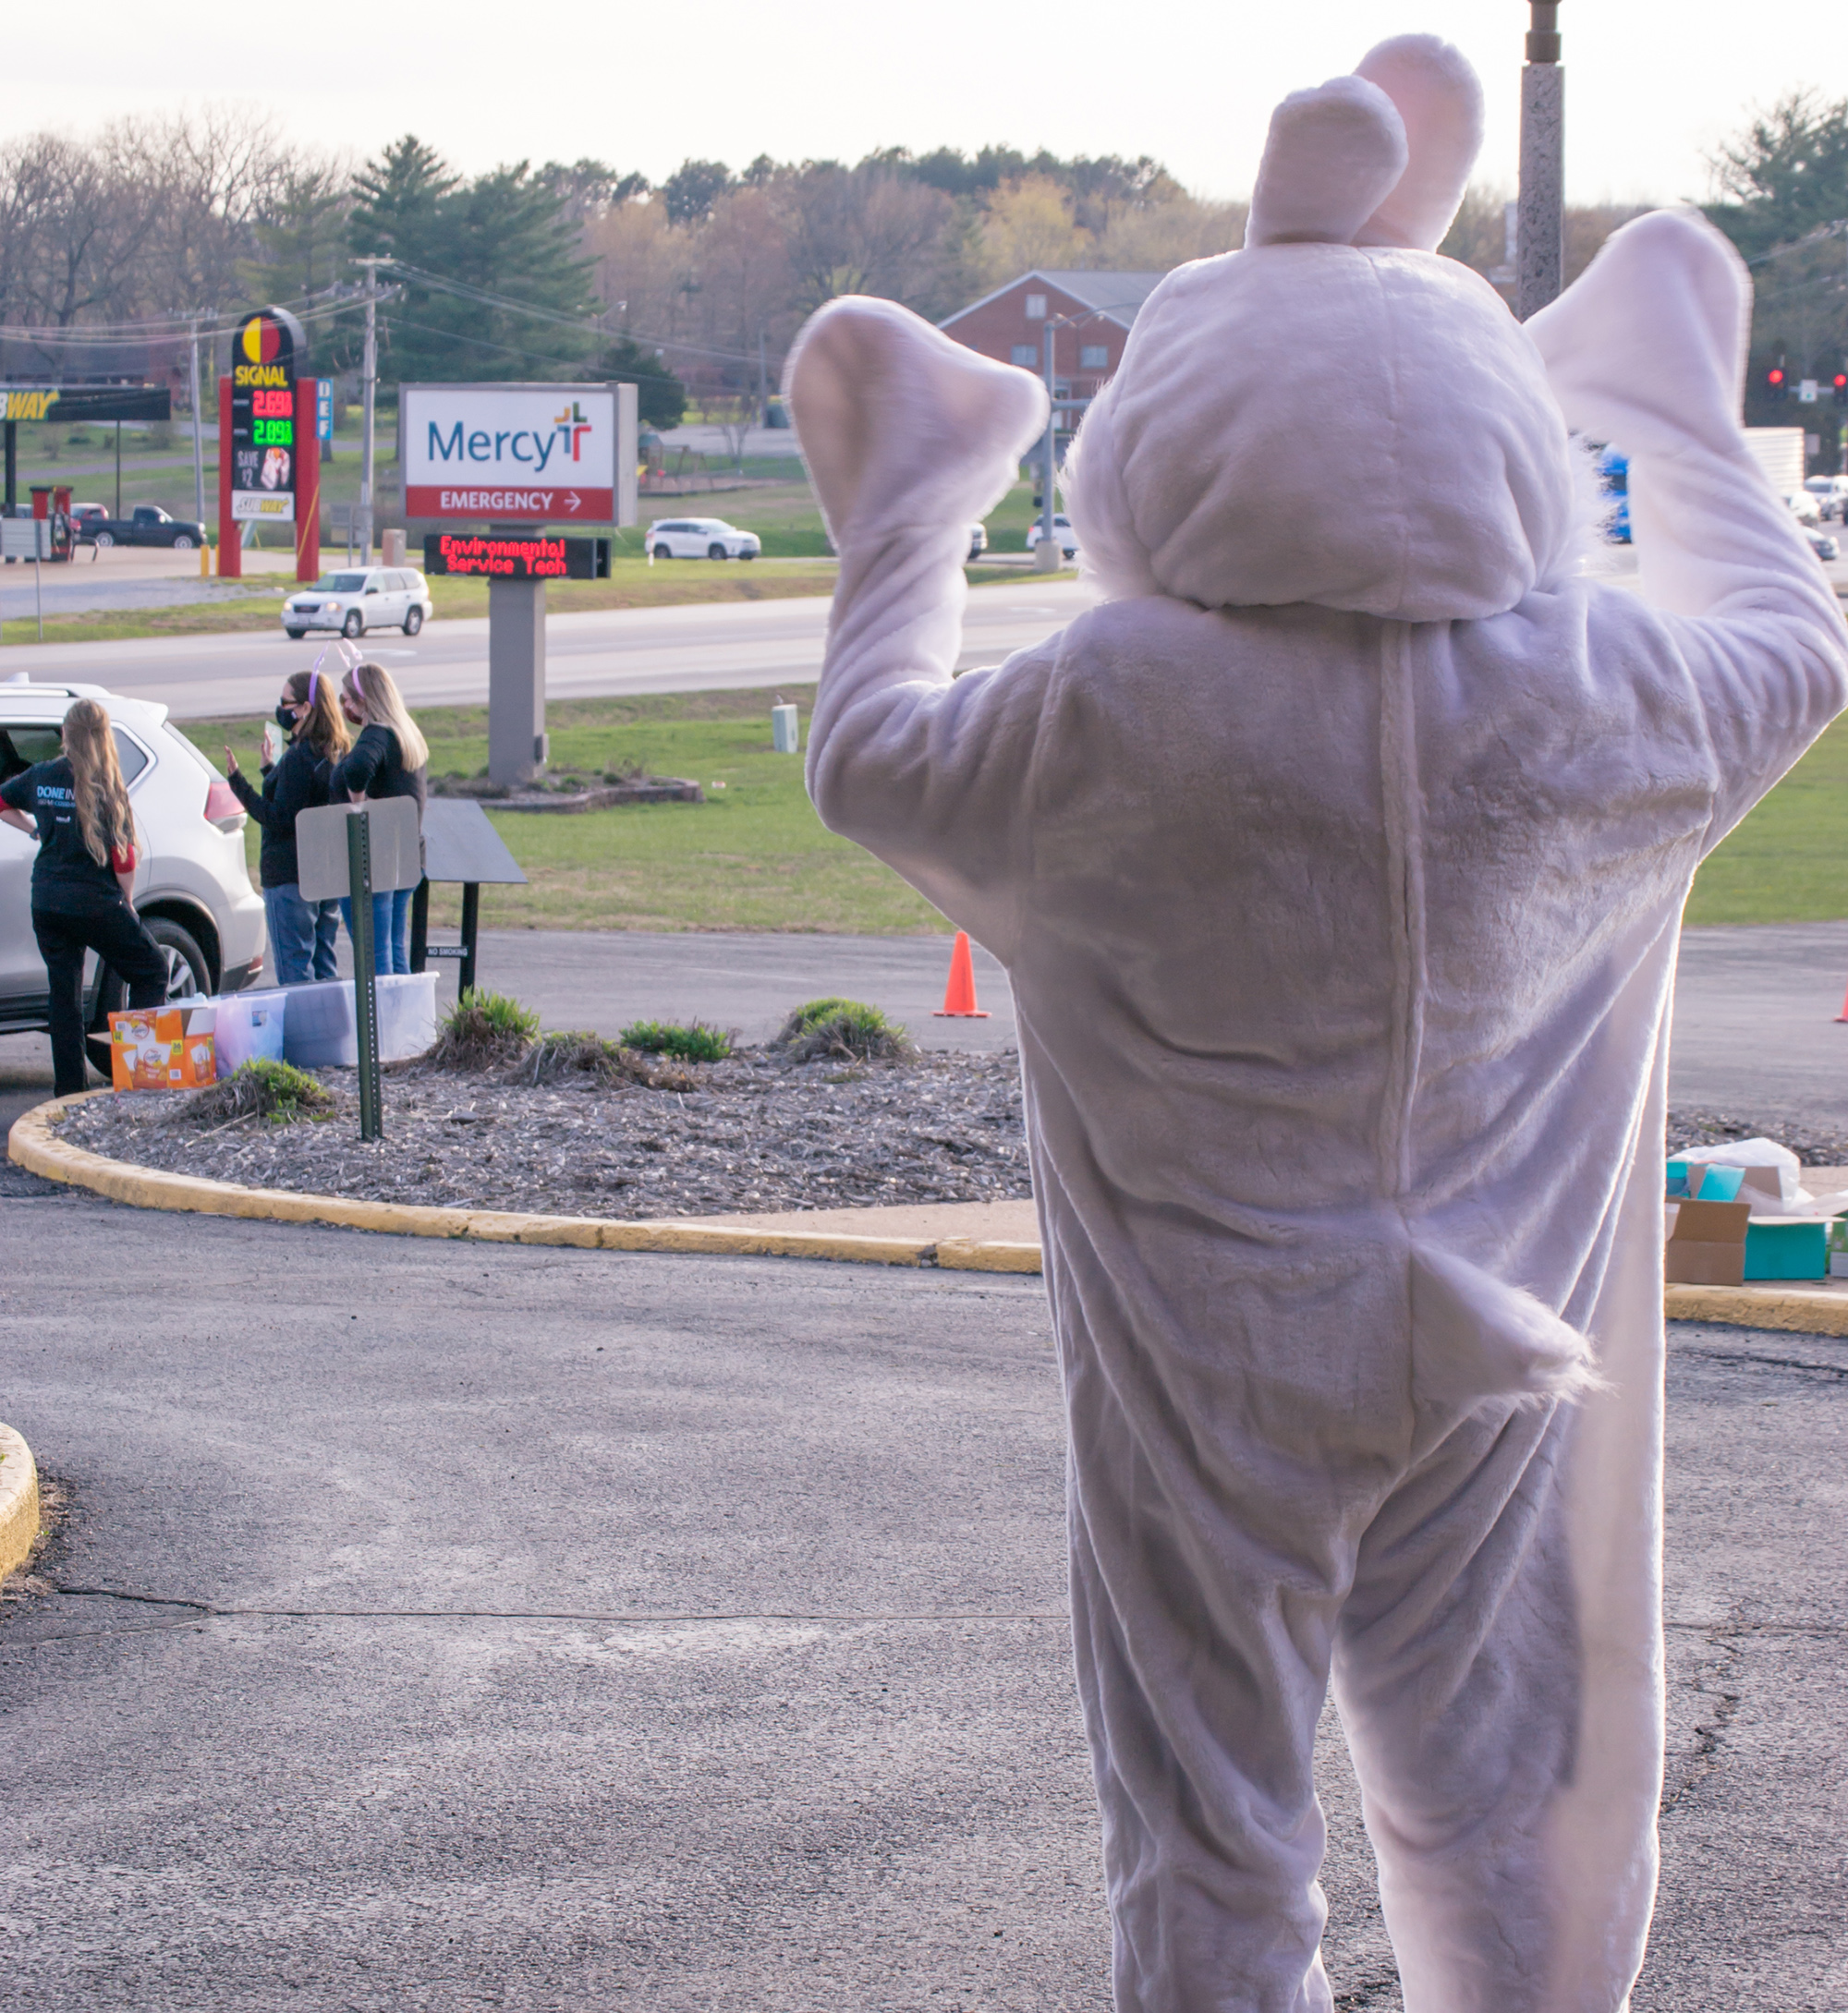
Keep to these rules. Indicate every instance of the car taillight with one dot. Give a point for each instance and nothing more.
(222, 808)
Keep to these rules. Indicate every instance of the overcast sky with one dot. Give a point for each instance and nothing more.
(1652, 84)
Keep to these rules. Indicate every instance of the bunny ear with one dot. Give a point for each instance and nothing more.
(1333, 157)
(1438, 98)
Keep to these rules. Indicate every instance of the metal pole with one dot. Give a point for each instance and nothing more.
(1541, 267)
(370, 381)
(198, 437)
(1050, 450)
(365, 973)
(119, 468)
(471, 920)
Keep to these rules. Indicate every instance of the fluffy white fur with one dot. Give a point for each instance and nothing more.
(1338, 863)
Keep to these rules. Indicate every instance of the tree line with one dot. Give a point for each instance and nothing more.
(108, 244)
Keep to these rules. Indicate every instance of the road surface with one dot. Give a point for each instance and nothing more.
(714, 647)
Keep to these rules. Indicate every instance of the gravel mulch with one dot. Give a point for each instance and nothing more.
(758, 1134)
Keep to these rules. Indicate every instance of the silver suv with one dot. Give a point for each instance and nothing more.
(355, 598)
(192, 888)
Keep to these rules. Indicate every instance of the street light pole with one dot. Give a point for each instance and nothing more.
(370, 382)
(198, 438)
(1540, 241)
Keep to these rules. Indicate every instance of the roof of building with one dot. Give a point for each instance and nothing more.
(1116, 296)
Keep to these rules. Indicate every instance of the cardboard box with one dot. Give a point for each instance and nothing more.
(168, 1048)
(1791, 1247)
(1706, 1243)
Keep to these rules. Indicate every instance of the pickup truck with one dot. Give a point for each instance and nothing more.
(150, 524)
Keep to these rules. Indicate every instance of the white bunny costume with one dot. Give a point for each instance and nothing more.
(1338, 859)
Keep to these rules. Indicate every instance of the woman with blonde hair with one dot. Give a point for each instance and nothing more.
(76, 807)
(302, 933)
(389, 758)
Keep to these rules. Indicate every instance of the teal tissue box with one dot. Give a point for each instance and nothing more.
(1787, 1248)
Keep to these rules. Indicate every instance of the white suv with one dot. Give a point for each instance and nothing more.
(192, 888)
(358, 598)
(1065, 538)
(701, 538)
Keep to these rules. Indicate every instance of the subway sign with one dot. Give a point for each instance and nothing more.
(507, 555)
(518, 453)
(264, 352)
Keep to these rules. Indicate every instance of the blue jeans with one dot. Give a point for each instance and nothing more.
(391, 929)
(302, 935)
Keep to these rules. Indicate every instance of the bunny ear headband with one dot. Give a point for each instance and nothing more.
(351, 660)
(1378, 158)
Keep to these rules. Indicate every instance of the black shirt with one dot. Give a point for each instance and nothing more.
(376, 769)
(65, 879)
(297, 782)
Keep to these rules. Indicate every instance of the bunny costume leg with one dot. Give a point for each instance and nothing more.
(1337, 860)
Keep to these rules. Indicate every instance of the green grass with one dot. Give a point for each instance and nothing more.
(753, 857)
(1787, 862)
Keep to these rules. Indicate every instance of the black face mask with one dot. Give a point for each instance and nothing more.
(286, 718)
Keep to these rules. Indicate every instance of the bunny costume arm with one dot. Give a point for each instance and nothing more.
(909, 438)
(1648, 350)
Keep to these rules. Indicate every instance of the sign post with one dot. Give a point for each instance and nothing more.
(365, 974)
(517, 457)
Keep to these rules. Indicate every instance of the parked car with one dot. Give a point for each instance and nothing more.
(978, 540)
(1804, 508)
(701, 538)
(192, 888)
(82, 514)
(1061, 531)
(358, 598)
(1820, 543)
(148, 525)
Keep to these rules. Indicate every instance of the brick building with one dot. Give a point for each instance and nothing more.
(1010, 324)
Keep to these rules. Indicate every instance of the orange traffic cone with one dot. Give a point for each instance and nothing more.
(959, 995)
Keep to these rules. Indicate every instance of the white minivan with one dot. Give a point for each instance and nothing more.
(192, 888)
(360, 597)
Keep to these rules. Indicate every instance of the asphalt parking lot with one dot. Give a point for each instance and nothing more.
(449, 1626)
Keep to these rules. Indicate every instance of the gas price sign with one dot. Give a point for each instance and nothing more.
(263, 356)
(510, 556)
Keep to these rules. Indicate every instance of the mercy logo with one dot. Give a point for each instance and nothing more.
(526, 444)
(572, 423)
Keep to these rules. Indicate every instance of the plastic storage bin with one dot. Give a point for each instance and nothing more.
(250, 1027)
(1787, 1248)
(321, 1031)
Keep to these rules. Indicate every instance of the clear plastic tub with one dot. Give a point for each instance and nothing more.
(321, 1031)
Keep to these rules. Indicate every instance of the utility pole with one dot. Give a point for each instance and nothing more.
(1048, 544)
(1540, 245)
(370, 390)
(198, 437)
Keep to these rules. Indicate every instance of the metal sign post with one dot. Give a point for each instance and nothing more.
(365, 974)
(1539, 245)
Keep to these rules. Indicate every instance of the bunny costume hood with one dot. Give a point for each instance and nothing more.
(1337, 858)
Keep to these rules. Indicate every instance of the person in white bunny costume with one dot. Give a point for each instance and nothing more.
(1337, 859)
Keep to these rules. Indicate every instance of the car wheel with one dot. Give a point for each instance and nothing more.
(187, 973)
(413, 622)
(354, 624)
(715, 550)
(103, 538)
(182, 543)
(295, 636)
(747, 555)
(663, 551)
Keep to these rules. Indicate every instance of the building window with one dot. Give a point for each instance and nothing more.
(1027, 354)
(1035, 306)
(1094, 356)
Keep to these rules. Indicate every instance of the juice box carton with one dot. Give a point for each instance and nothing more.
(168, 1048)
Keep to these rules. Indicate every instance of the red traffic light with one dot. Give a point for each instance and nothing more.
(1842, 381)
(1774, 376)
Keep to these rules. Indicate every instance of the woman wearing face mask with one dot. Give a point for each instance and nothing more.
(389, 758)
(302, 933)
(76, 807)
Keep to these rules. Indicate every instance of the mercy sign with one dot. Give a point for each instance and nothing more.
(520, 452)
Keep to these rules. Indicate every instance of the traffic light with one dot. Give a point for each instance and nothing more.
(1776, 387)
(1841, 387)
